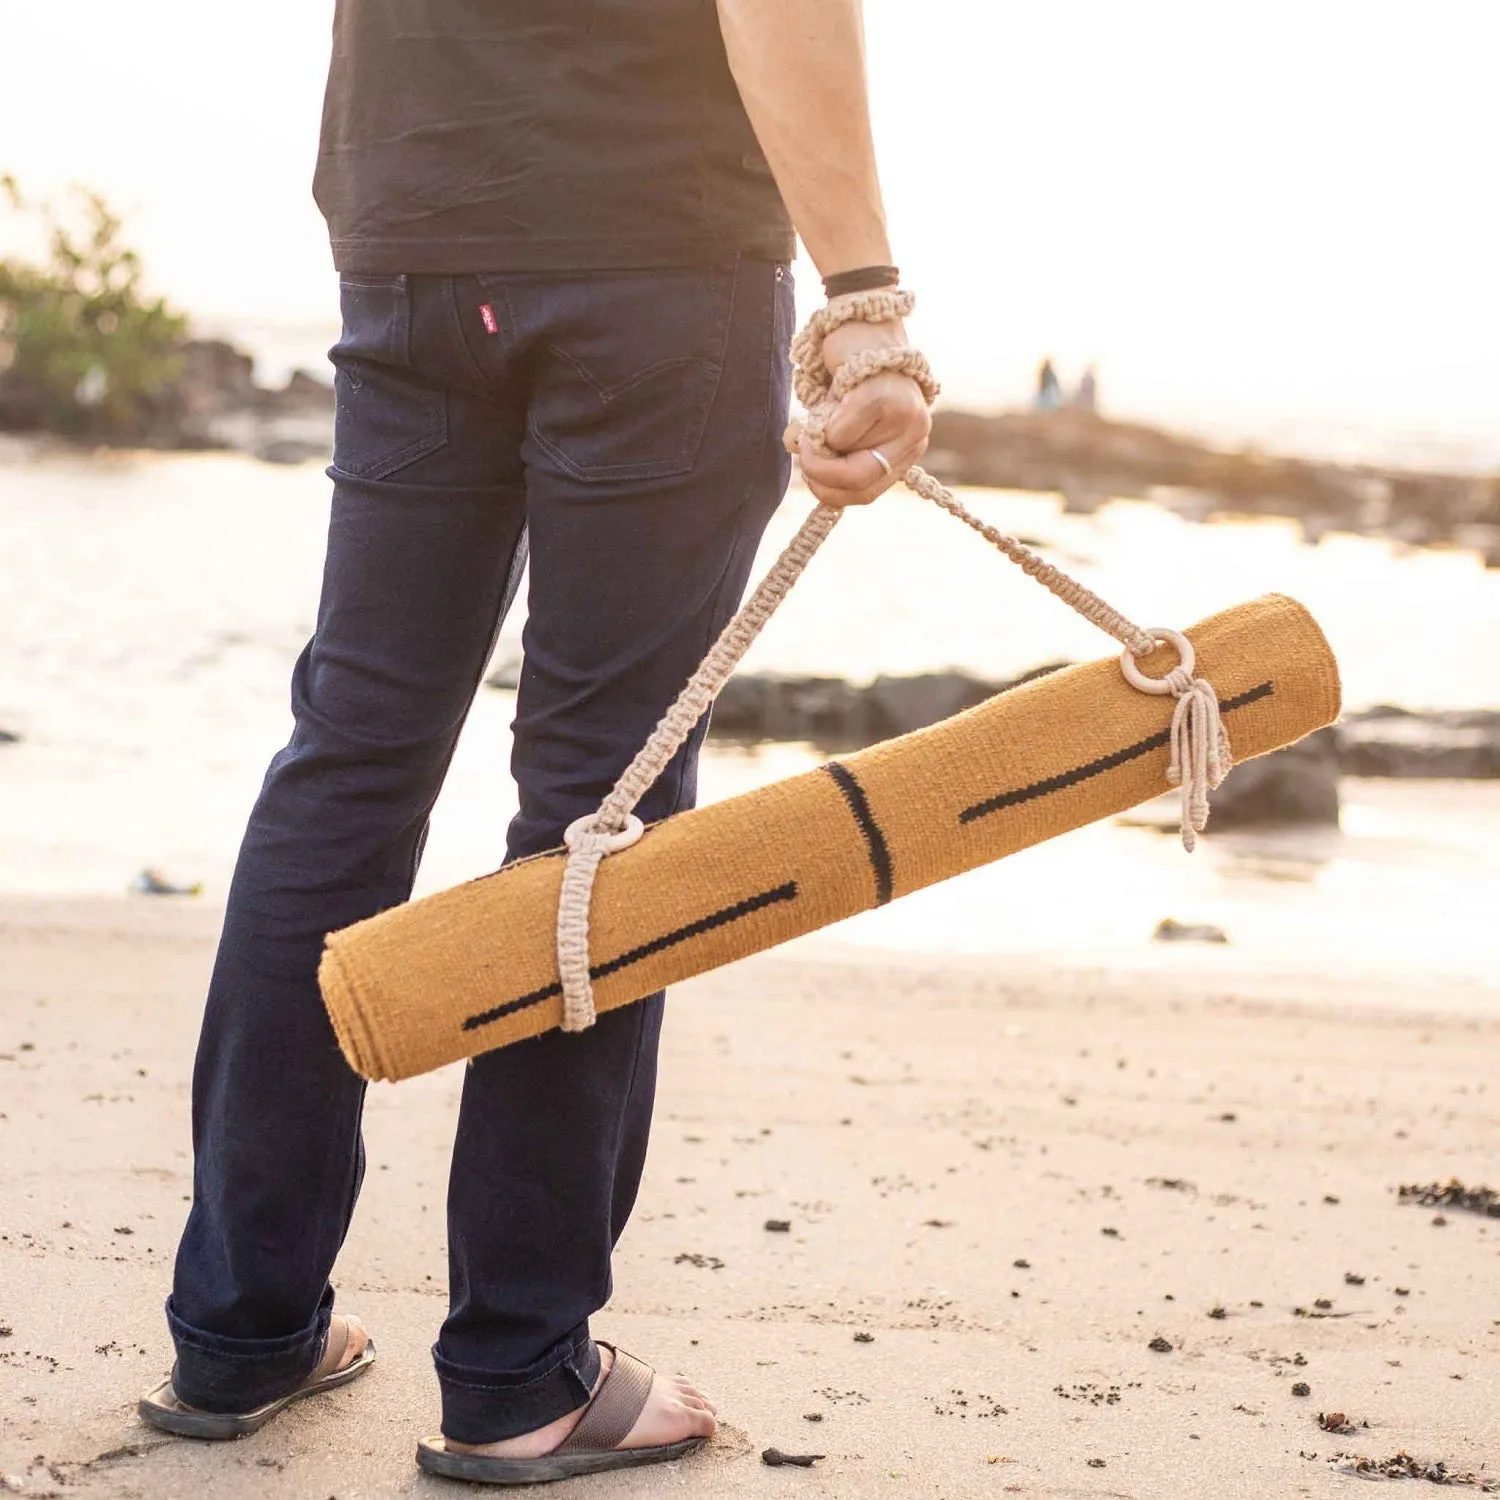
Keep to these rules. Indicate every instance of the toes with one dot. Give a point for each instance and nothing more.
(358, 1339)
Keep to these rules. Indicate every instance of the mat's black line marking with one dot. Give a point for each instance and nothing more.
(721, 918)
(875, 844)
(1099, 767)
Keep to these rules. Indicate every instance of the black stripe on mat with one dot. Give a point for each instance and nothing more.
(721, 918)
(1099, 767)
(875, 844)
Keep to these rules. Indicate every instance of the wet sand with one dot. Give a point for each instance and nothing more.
(1004, 1182)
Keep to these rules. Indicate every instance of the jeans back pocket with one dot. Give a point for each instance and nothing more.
(386, 416)
(627, 366)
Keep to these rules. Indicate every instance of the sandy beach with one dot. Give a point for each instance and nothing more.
(1003, 1182)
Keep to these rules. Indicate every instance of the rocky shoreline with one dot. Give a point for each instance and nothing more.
(1089, 460)
(216, 405)
(219, 405)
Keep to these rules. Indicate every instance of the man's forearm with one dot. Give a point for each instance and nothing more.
(800, 68)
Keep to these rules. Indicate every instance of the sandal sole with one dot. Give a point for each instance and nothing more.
(218, 1427)
(476, 1468)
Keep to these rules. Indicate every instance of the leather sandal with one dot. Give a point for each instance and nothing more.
(165, 1409)
(591, 1447)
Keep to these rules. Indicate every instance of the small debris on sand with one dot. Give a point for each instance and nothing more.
(1168, 930)
(1302, 1388)
(776, 1459)
(1160, 1345)
(778, 1226)
(1403, 1466)
(1217, 1312)
(812, 1416)
(864, 1338)
(1350, 1279)
(154, 883)
(1176, 1184)
(1095, 1395)
(1096, 1463)
(703, 1262)
(1336, 1421)
(1452, 1194)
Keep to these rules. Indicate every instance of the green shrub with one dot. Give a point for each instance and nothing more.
(82, 351)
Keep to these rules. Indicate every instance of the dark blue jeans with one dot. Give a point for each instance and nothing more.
(627, 427)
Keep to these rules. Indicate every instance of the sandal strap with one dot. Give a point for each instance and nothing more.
(334, 1347)
(613, 1411)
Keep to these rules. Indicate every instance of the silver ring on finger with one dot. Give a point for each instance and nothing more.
(882, 460)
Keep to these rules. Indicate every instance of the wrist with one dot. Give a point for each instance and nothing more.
(874, 277)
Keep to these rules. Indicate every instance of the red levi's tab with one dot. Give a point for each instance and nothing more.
(487, 315)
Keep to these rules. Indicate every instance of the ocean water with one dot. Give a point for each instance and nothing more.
(151, 608)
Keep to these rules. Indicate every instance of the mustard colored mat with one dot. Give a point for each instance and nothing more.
(475, 967)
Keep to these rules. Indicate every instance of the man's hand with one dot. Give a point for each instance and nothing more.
(887, 412)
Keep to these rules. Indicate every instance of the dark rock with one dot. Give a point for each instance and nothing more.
(822, 710)
(1297, 785)
(214, 374)
(9, 737)
(1393, 742)
(304, 387)
(898, 705)
(836, 715)
(1160, 1345)
(1086, 458)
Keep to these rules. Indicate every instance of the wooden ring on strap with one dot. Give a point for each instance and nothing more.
(1187, 661)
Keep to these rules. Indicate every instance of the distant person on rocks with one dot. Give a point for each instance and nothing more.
(563, 235)
(1048, 389)
(1086, 397)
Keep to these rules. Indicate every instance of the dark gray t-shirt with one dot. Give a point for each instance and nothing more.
(538, 135)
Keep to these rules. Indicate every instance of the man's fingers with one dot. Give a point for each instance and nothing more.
(855, 478)
(854, 472)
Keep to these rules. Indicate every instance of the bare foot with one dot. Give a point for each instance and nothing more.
(675, 1410)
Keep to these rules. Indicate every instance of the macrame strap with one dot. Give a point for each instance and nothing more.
(1200, 755)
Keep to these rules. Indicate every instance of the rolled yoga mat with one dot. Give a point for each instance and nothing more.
(475, 967)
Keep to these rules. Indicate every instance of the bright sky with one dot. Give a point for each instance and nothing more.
(1278, 218)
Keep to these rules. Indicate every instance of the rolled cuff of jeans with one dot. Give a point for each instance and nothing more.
(482, 1407)
(220, 1374)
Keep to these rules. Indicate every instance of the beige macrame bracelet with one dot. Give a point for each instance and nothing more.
(1200, 751)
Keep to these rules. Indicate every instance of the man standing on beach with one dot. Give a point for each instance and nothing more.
(563, 238)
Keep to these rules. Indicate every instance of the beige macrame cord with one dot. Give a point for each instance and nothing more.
(1200, 751)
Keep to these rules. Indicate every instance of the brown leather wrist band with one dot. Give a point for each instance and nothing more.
(864, 279)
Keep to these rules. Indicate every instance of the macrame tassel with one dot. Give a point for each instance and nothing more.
(1201, 755)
